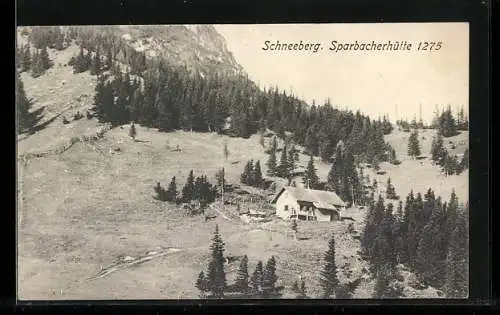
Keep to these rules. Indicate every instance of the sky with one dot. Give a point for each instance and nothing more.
(397, 83)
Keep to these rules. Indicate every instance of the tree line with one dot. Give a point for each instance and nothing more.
(252, 174)
(33, 60)
(26, 119)
(198, 189)
(172, 98)
(450, 164)
(262, 282)
(213, 282)
(427, 234)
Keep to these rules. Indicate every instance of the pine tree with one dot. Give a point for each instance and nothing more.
(26, 60)
(464, 163)
(95, 67)
(241, 284)
(390, 190)
(437, 149)
(79, 64)
(335, 174)
(329, 280)
(311, 179)
(291, 159)
(269, 278)
(413, 145)
(109, 60)
(256, 278)
(24, 119)
(431, 250)
(37, 67)
(392, 157)
(188, 189)
(384, 288)
(256, 175)
(284, 167)
(201, 283)
(245, 177)
(161, 194)
(271, 162)
(172, 190)
(447, 124)
(216, 277)
(384, 245)
(45, 60)
(457, 260)
(132, 132)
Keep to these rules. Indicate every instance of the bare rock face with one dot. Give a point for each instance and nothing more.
(200, 48)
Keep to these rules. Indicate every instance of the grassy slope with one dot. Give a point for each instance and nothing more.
(83, 208)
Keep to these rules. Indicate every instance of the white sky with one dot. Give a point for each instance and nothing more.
(375, 82)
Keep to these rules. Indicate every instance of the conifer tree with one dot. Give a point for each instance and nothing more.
(457, 260)
(24, 119)
(45, 60)
(95, 67)
(256, 175)
(37, 67)
(390, 190)
(188, 189)
(79, 64)
(201, 283)
(269, 278)
(431, 250)
(413, 145)
(256, 278)
(172, 190)
(216, 277)
(88, 60)
(26, 60)
(245, 177)
(464, 163)
(311, 179)
(437, 149)
(335, 174)
(291, 158)
(329, 280)
(447, 124)
(384, 245)
(284, 167)
(161, 194)
(384, 288)
(415, 226)
(109, 60)
(271, 162)
(392, 157)
(242, 283)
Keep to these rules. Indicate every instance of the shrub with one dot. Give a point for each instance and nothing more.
(396, 162)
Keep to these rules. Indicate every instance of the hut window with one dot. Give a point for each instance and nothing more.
(286, 207)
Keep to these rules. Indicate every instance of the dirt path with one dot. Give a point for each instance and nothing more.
(124, 264)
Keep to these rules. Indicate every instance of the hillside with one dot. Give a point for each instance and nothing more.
(107, 194)
(86, 206)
